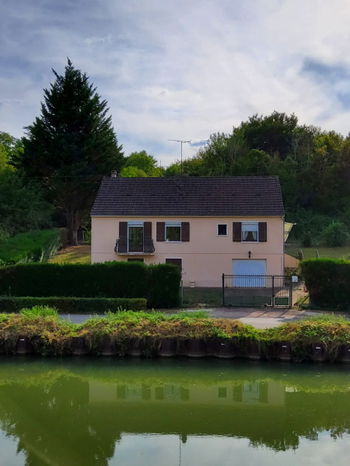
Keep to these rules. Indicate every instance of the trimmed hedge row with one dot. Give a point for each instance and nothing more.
(73, 305)
(328, 282)
(159, 284)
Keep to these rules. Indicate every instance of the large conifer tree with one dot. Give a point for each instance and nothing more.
(71, 145)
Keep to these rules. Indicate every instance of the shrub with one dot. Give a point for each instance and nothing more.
(328, 282)
(335, 235)
(42, 311)
(34, 246)
(73, 305)
(164, 285)
(159, 284)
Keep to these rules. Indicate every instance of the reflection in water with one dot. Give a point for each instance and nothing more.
(172, 412)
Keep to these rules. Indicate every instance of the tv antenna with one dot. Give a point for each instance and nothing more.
(181, 141)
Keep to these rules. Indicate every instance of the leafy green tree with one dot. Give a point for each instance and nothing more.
(191, 167)
(22, 205)
(71, 145)
(132, 172)
(10, 148)
(143, 161)
(335, 234)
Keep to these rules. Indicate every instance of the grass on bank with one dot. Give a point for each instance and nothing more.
(315, 252)
(33, 246)
(73, 255)
(51, 335)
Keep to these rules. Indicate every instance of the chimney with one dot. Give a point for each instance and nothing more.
(114, 174)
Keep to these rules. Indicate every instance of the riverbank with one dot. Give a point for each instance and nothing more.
(40, 331)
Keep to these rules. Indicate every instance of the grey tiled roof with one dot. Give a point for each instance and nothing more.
(190, 196)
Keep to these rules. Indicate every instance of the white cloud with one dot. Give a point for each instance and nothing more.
(178, 69)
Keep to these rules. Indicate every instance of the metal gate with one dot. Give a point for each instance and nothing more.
(256, 290)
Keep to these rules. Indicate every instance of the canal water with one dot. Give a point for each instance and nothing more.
(172, 412)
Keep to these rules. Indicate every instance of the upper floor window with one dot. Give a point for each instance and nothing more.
(222, 229)
(173, 231)
(250, 231)
(135, 236)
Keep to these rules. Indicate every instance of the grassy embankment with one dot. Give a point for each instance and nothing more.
(40, 331)
(314, 252)
(33, 246)
(72, 255)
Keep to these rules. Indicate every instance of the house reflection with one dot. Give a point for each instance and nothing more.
(248, 393)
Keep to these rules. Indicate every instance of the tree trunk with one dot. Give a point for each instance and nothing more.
(73, 224)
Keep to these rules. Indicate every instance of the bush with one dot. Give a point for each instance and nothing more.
(328, 282)
(34, 246)
(72, 305)
(159, 284)
(39, 311)
(335, 235)
(164, 285)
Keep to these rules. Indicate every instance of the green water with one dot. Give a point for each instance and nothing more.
(177, 412)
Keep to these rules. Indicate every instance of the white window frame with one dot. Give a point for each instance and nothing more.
(134, 223)
(217, 229)
(256, 224)
(173, 224)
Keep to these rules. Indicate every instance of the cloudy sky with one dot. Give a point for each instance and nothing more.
(180, 69)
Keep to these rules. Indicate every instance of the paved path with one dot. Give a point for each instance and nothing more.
(259, 318)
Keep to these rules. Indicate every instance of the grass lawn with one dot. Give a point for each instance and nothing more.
(73, 255)
(340, 253)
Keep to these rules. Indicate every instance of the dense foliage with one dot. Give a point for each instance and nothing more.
(70, 146)
(159, 284)
(34, 246)
(328, 282)
(140, 164)
(22, 205)
(313, 167)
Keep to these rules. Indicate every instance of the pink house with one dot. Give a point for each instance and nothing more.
(206, 225)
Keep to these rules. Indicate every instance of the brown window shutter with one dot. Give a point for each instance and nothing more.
(160, 231)
(147, 237)
(262, 232)
(237, 231)
(123, 237)
(185, 231)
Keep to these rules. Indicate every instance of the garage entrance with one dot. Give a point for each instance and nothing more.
(255, 289)
(249, 273)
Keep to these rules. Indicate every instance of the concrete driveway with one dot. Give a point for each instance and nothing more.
(259, 318)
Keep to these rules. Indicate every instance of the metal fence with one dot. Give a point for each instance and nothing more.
(239, 291)
(256, 290)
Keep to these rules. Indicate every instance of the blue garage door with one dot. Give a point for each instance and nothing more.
(249, 273)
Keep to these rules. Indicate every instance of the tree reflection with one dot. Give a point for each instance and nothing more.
(74, 418)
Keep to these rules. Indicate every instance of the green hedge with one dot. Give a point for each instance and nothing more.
(73, 305)
(328, 282)
(34, 246)
(159, 284)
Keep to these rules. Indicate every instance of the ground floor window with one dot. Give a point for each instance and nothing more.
(177, 262)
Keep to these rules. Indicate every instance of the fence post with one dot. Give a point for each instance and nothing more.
(181, 293)
(273, 291)
(223, 289)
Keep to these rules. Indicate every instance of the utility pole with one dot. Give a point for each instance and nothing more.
(181, 141)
